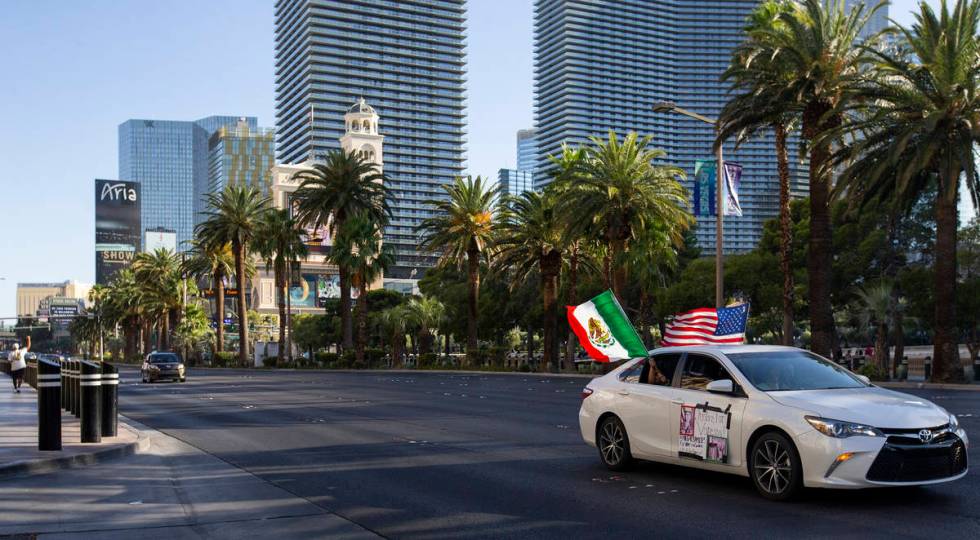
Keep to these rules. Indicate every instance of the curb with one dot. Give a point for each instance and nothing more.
(44, 466)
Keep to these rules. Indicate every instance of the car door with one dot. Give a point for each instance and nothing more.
(705, 427)
(644, 401)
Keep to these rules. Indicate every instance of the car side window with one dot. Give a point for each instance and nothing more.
(659, 370)
(699, 370)
(632, 374)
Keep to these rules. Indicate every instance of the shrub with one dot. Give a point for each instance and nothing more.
(270, 361)
(872, 372)
(525, 368)
(326, 359)
(428, 361)
(223, 359)
(375, 358)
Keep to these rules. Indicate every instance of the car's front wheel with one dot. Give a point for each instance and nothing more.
(775, 467)
(614, 444)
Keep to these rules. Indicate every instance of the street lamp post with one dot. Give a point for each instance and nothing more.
(667, 106)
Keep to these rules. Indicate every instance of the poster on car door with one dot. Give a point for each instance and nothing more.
(704, 432)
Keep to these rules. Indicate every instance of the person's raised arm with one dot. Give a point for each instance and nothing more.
(28, 347)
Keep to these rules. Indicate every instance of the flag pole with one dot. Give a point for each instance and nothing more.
(719, 229)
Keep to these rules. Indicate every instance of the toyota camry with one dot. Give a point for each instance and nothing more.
(784, 417)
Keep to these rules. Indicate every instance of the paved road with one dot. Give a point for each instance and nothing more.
(423, 455)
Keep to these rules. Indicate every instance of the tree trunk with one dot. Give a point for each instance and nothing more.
(572, 300)
(242, 314)
(219, 308)
(360, 311)
(445, 338)
(281, 301)
(945, 354)
(147, 336)
(881, 346)
(165, 331)
(289, 321)
(550, 266)
(819, 260)
(898, 336)
(473, 270)
(616, 248)
(530, 345)
(785, 233)
(607, 269)
(346, 325)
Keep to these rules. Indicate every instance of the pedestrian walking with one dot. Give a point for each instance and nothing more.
(18, 364)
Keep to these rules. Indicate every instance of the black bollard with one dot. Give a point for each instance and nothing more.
(90, 384)
(110, 399)
(64, 383)
(74, 387)
(48, 405)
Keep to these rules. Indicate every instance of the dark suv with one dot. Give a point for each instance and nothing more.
(163, 366)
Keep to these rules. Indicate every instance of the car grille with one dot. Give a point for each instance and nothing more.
(904, 458)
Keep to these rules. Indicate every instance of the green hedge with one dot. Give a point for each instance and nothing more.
(224, 359)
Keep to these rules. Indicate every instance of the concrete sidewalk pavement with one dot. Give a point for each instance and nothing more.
(18, 437)
(168, 490)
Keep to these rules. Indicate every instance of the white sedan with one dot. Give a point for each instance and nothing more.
(785, 417)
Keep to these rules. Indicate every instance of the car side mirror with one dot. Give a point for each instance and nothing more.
(864, 379)
(721, 386)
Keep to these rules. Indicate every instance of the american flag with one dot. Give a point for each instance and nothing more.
(708, 326)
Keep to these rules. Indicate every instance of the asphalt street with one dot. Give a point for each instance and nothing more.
(425, 455)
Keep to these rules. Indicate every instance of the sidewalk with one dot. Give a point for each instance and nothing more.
(18, 437)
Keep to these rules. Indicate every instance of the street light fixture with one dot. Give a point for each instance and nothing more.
(669, 106)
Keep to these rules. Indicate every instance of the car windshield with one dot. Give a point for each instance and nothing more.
(775, 371)
(164, 359)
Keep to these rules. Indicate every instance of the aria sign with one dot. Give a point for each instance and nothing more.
(117, 227)
(120, 191)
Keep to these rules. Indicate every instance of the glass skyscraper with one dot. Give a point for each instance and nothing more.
(600, 65)
(514, 182)
(241, 155)
(169, 159)
(408, 60)
(527, 149)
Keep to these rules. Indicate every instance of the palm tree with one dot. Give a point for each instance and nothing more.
(333, 191)
(620, 192)
(233, 216)
(531, 238)
(159, 274)
(280, 242)
(568, 169)
(461, 230)
(394, 323)
(212, 262)
(920, 131)
(426, 313)
(358, 247)
(875, 306)
(760, 82)
(820, 43)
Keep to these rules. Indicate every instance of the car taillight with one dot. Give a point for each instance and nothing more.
(586, 392)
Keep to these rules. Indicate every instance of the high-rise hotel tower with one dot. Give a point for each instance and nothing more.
(408, 60)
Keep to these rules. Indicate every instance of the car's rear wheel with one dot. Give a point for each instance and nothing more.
(614, 444)
(775, 467)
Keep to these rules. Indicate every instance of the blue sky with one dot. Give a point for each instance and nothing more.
(74, 70)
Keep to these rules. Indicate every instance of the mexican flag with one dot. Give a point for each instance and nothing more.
(604, 331)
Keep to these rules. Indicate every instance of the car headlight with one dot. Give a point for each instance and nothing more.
(841, 430)
(954, 424)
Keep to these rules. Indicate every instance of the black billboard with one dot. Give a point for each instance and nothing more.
(117, 227)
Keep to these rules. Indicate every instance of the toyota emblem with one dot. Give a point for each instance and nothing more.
(925, 435)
